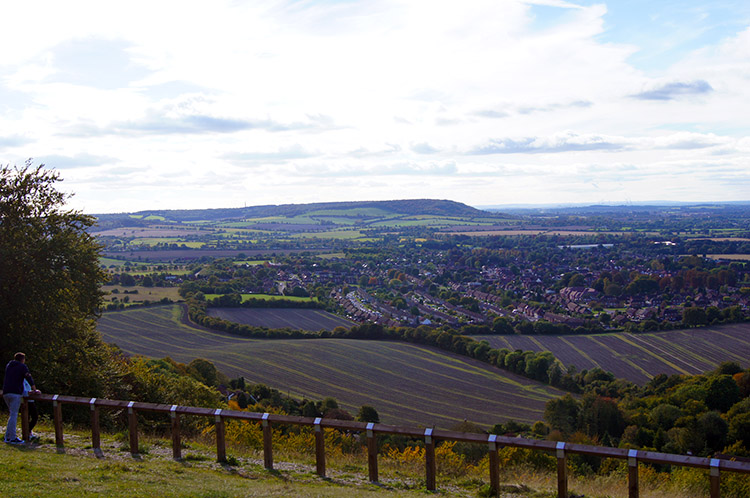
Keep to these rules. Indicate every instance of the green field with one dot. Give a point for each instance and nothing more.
(266, 297)
(152, 241)
(408, 384)
(151, 294)
(121, 262)
(331, 234)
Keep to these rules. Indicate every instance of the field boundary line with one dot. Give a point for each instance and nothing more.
(651, 353)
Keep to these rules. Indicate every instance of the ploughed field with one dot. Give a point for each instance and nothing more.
(408, 384)
(638, 357)
(279, 318)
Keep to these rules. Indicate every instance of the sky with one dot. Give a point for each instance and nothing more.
(163, 104)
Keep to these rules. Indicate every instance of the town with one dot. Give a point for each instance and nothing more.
(488, 283)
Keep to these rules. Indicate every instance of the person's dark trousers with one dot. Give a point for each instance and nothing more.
(33, 415)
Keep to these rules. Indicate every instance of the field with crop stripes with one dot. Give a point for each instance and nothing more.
(279, 318)
(406, 383)
(638, 357)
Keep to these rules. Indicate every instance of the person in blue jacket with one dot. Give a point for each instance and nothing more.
(15, 372)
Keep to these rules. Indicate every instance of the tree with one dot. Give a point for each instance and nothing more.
(500, 325)
(127, 280)
(204, 371)
(368, 414)
(50, 285)
(694, 316)
(601, 416)
(723, 392)
(563, 414)
(715, 428)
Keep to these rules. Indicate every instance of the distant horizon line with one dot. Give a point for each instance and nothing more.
(483, 207)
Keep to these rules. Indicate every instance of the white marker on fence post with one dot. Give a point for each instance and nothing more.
(492, 440)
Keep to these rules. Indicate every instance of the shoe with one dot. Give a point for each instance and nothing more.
(14, 441)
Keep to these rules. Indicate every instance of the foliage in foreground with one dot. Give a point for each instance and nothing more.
(698, 414)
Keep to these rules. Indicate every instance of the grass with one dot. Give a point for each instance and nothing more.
(267, 297)
(107, 262)
(152, 241)
(41, 471)
(151, 294)
(339, 255)
(331, 234)
(734, 257)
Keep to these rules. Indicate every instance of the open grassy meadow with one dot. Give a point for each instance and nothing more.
(139, 294)
(638, 357)
(39, 470)
(266, 297)
(408, 384)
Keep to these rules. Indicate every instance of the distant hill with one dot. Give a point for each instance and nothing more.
(405, 207)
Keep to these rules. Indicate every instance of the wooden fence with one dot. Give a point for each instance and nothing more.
(430, 436)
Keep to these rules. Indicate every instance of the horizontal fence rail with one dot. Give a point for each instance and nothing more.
(560, 449)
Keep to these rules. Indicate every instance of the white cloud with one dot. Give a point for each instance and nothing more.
(383, 99)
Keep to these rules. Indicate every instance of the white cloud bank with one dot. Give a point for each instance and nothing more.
(193, 104)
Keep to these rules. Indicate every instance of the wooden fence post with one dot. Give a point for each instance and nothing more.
(176, 443)
(133, 429)
(267, 443)
(57, 414)
(25, 431)
(715, 465)
(633, 491)
(95, 432)
(221, 447)
(372, 453)
(715, 478)
(429, 457)
(494, 466)
(562, 471)
(320, 449)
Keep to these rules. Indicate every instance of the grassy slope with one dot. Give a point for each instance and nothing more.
(408, 384)
(39, 471)
(638, 357)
